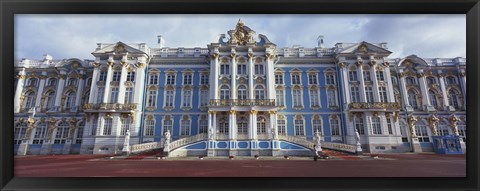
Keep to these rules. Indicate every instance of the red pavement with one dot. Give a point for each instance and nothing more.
(397, 165)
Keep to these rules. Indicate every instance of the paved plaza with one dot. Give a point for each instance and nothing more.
(384, 165)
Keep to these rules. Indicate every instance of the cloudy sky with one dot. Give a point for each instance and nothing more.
(75, 36)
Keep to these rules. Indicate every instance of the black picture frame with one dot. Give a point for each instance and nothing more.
(10, 7)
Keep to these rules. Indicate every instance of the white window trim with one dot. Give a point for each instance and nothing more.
(339, 126)
(165, 98)
(146, 127)
(199, 124)
(182, 100)
(286, 126)
(301, 99)
(283, 97)
(318, 99)
(321, 125)
(189, 126)
(295, 130)
(200, 98)
(315, 76)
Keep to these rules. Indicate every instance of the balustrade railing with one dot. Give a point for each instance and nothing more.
(145, 147)
(110, 106)
(376, 105)
(310, 144)
(242, 102)
(187, 140)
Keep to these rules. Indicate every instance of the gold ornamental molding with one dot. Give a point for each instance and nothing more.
(377, 105)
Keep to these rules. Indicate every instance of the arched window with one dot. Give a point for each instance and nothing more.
(422, 132)
(19, 132)
(314, 98)
(224, 92)
(376, 126)
(281, 127)
(126, 122)
(86, 96)
(299, 127)
(259, 92)
(52, 82)
(450, 80)
(32, 82)
(259, 69)
(242, 92)
(72, 82)
(70, 102)
(40, 132)
(359, 125)
(453, 98)
(412, 99)
(50, 100)
(442, 129)
(297, 98)
(242, 126)
(317, 126)
(185, 127)
(352, 76)
(169, 98)
(223, 128)
(334, 127)
(29, 99)
(62, 133)
(261, 125)
(331, 98)
(394, 80)
(433, 98)
(128, 95)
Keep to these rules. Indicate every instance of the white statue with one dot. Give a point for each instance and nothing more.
(274, 134)
(126, 143)
(210, 133)
(167, 136)
(318, 142)
(357, 137)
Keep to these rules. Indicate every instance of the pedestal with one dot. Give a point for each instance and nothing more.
(463, 145)
(416, 148)
(166, 150)
(359, 150)
(23, 148)
(46, 148)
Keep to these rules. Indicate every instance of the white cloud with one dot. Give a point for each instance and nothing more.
(66, 36)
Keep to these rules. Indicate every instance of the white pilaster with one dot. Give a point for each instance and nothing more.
(273, 115)
(19, 90)
(391, 95)
(423, 88)
(40, 90)
(214, 123)
(61, 85)
(232, 125)
(403, 88)
(214, 77)
(363, 96)
(80, 86)
(441, 78)
(121, 89)
(254, 124)
(250, 78)
(233, 75)
(106, 95)
(344, 77)
(271, 94)
(463, 84)
(373, 75)
(93, 87)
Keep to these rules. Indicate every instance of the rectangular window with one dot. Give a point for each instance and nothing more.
(242, 128)
(185, 128)
(153, 79)
(40, 132)
(282, 130)
(128, 95)
(94, 126)
(383, 94)
(366, 76)
(116, 76)
(125, 125)
(299, 128)
(376, 126)
(422, 134)
(314, 98)
(369, 94)
(330, 79)
(168, 98)
(149, 127)
(389, 126)
(61, 136)
(355, 93)
(380, 76)
(167, 125)
(78, 138)
(353, 76)
(203, 98)
(278, 78)
(280, 98)
(403, 132)
(131, 76)
(296, 79)
(317, 126)
(187, 79)
(259, 69)
(297, 98)
(335, 127)
(204, 79)
(359, 126)
(114, 95)
(242, 69)
(107, 127)
(100, 94)
(203, 126)
(152, 98)
(170, 79)
(103, 76)
(312, 79)
(331, 98)
(187, 98)
(224, 69)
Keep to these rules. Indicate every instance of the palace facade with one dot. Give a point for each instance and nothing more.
(242, 95)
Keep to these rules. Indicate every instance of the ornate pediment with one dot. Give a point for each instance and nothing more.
(241, 35)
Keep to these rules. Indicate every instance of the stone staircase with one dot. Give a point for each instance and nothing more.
(344, 148)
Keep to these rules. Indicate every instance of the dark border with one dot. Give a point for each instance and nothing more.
(9, 7)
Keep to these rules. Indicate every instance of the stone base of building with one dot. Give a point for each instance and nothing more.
(386, 148)
(22, 149)
(46, 149)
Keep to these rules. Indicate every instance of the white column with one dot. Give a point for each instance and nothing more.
(391, 95)
(101, 122)
(250, 125)
(138, 93)
(273, 115)
(214, 77)
(271, 94)
(254, 123)
(93, 87)
(403, 88)
(233, 75)
(232, 125)
(423, 88)
(214, 123)
(210, 124)
(107, 82)
(363, 96)
(441, 78)
(344, 77)
(123, 78)
(80, 86)
(250, 78)
(18, 92)
(61, 85)
(40, 91)
(373, 75)
(463, 85)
